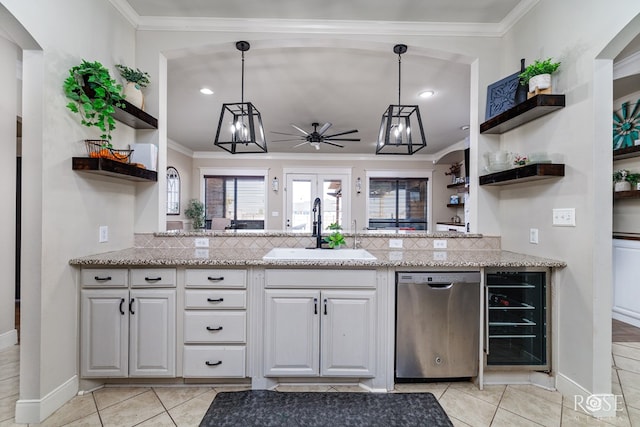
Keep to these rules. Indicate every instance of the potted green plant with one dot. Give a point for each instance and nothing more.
(538, 74)
(94, 95)
(623, 180)
(195, 212)
(136, 80)
(335, 239)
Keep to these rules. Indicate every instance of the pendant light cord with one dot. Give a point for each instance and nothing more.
(242, 89)
(399, 75)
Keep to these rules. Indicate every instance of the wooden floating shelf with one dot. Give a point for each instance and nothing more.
(632, 194)
(625, 153)
(455, 205)
(113, 168)
(134, 117)
(530, 172)
(531, 109)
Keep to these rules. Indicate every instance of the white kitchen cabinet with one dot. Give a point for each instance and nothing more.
(319, 332)
(128, 333)
(215, 323)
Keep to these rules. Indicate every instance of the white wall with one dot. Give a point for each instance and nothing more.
(184, 164)
(8, 114)
(581, 133)
(63, 209)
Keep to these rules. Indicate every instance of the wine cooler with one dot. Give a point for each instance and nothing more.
(517, 319)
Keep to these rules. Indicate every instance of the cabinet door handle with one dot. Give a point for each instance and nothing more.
(131, 306)
(215, 299)
(215, 279)
(209, 328)
(121, 302)
(153, 279)
(102, 279)
(325, 306)
(315, 306)
(219, 362)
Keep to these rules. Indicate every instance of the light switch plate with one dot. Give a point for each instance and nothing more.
(202, 242)
(565, 217)
(439, 244)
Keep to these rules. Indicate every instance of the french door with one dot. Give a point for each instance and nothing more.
(301, 191)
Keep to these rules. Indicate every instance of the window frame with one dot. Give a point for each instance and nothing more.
(233, 172)
(405, 174)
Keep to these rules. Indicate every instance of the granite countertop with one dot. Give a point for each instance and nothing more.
(253, 257)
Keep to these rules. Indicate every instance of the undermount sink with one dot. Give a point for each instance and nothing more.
(276, 254)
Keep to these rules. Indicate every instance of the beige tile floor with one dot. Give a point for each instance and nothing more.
(504, 406)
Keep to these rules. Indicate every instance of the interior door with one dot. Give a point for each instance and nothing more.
(303, 189)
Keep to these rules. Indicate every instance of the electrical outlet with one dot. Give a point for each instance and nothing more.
(202, 253)
(439, 256)
(533, 235)
(202, 242)
(565, 217)
(439, 244)
(395, 243)
(103, 235)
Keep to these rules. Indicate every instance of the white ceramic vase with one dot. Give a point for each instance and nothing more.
(541, 81)
(622, 186)
(134, 95)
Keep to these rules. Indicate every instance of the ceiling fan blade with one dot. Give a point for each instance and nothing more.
(290, 134)
(324, 128)
(300, 129)
(283, 140)
(342, 139)
(342, 133)
(302, 143)
(331, 143)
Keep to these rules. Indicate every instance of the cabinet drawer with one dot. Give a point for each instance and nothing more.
(201, 361)
(215, 278)
(215, 326)
(153, 277)
(319, 278)
(104, 277)
(215, 298)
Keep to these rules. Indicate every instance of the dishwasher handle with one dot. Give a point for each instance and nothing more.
(440, 285)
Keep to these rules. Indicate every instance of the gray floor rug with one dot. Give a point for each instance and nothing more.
(272, 408)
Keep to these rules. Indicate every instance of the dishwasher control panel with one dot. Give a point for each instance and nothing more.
(423, 277)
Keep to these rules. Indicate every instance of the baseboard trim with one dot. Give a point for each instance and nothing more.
(600, 405)
(32, 411)
(626, 316)
(8, 339)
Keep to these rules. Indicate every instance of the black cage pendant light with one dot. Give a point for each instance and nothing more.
(401, 127)
(240, 127)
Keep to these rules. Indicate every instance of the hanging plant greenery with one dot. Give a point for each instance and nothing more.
(94, 95)
(140, 78)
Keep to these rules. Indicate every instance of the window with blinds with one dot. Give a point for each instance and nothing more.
(398, 203)
(241, 199)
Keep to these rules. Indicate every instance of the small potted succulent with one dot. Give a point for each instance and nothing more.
(335, 239)
(623, 180)
(538, 74)
(94, 95)
(195, 212)
(136, 80)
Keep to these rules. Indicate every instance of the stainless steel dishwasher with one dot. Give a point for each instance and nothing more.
(437, 325)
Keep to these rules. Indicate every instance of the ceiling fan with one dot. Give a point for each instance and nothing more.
(317, 136)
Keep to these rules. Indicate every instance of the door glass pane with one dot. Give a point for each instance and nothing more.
(301, 215)
(332, 203)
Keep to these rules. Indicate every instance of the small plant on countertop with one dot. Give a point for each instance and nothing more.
(195, 212)
(625, 175)
(335, 239)
(520, 160)
(140, 78)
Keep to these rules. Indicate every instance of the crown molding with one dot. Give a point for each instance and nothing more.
(516, 14)
(429, 158)
(127, 11)
(627, 66)
(179, 148)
